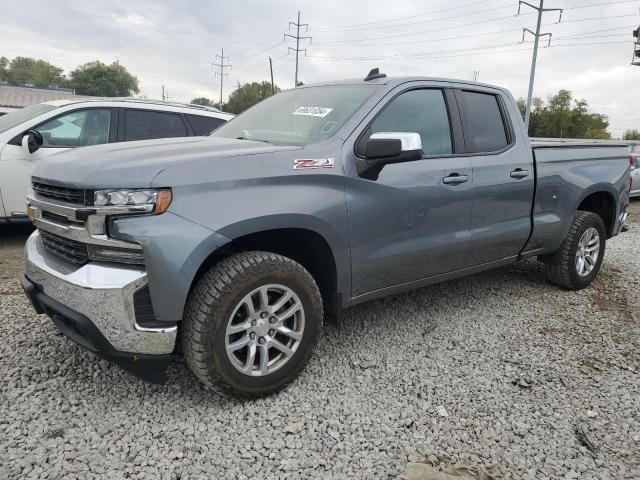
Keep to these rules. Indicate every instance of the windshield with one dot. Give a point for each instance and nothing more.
(298, 117)
(14, 119)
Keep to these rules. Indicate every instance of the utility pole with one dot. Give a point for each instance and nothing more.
(537, 36)
(475, 74)
(297, 37)
(635, 60)
(221, 73)
(163, 93)
(273, 88)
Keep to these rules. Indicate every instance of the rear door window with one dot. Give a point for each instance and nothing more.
(204, 125)
(148, 124)
(484, 123)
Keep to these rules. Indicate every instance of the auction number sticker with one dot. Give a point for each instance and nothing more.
(313, 111)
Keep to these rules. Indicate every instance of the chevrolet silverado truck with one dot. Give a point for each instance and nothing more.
(238, 245)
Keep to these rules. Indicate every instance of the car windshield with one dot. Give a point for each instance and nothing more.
(14, 119)
(298, 117)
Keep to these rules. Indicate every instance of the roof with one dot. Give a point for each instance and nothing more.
(393, 81)
(18, 97)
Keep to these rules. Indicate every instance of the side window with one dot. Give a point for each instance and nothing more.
(419, 111)
(204, 125)
(147, 124)
(485, 121)
(77, 129)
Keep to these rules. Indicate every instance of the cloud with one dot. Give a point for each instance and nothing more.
(174, 43)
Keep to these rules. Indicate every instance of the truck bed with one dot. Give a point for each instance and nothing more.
(567, 173)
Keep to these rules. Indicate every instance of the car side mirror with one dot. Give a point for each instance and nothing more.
(31, 141)
(384, 148)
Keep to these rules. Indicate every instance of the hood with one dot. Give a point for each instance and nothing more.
(135, 164)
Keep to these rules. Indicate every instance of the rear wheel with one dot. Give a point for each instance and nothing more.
(577, 262)
(251, 323)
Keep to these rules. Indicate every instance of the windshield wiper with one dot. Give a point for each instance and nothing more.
(253, 140)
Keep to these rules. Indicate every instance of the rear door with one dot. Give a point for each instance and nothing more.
(503, 176)
(412, 221)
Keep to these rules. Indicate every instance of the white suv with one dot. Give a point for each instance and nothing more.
(34, 132)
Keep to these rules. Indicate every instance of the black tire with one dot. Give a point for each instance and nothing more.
(211, 304)
(561, 266)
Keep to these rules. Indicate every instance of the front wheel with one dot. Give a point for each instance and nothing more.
(577, 262)
(251, 323)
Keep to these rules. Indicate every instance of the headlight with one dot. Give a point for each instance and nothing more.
(160, 199)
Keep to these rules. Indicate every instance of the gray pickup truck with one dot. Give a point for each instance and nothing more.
(237, 246)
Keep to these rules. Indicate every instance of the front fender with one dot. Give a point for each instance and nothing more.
(174, 249)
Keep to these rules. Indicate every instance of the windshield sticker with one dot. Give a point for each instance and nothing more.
(313, 111)
(312, 163)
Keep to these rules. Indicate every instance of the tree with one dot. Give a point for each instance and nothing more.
(249, 94)
(23, 70)
(631, 135)
(203, 101)
(97, 78)
(563, 116)
(4, 72)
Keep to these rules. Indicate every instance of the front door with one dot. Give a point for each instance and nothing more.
(72, 129)
(412, 222)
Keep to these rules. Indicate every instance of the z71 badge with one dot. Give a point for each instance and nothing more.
(313, 163)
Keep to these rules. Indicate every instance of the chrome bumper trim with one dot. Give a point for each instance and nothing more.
(101, 292)
(79, 212)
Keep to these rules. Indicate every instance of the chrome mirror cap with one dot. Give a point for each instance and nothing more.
(409, 141)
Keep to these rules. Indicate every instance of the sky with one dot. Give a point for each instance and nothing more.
(174, 43)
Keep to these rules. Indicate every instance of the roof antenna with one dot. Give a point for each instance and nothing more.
(373, 74)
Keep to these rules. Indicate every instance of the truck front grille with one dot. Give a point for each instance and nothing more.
(65, 194)
(70, 250)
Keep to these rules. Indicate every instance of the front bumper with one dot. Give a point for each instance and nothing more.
(94, 306)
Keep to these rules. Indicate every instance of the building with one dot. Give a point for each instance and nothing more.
(13, 97)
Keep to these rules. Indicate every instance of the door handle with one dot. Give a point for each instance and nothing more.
(519, 173)
(455, 179)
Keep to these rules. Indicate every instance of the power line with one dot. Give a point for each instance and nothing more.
(422, 22)
(470, 24)
(221, 73)
(297, 37)
(457, 51)
(458, 37)
(340, 27)
(346, 28)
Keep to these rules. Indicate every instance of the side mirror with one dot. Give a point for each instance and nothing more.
(31, 141)
(384, 148)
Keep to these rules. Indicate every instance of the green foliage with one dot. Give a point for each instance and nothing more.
(203, 101)
(4, 72)
(562, 116)
(97, 78)
(631, 135)
(247, 95)
(23, 70)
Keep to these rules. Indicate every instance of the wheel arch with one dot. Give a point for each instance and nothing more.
(307, 246)
(601, 200)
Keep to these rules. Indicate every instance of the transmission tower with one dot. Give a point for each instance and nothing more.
(536, 36)
(221, 73)
(475, 74)
(297, 38)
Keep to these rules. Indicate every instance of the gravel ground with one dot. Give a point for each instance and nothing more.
(499, 369)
